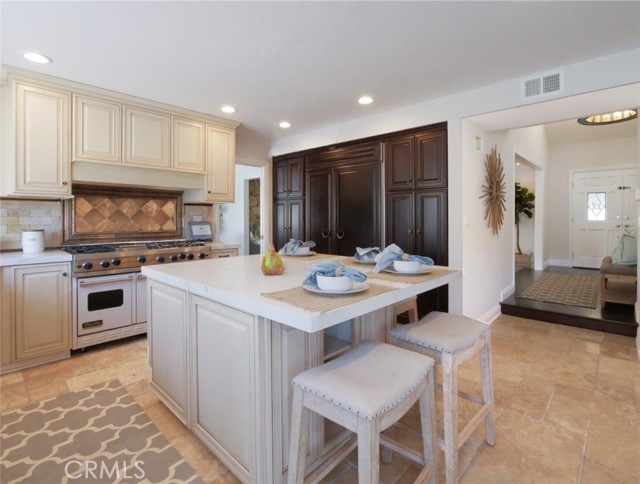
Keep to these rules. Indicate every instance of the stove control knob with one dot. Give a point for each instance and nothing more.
(142, 259)
(183, 256)
(173, 258)
(190, 256)
(202, 255)
(104, 264)
(160, 258)
(87, 265)
(115, 261)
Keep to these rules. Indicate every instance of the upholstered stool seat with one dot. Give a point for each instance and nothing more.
(366, 390)
(451, 340)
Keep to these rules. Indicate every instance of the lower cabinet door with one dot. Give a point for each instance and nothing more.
(168, 317)
(42, 309)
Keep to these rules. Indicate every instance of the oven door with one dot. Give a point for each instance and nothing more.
(105, 302)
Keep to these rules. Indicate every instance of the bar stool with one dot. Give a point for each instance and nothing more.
(451, 340)
(408, 305)
(366, 390)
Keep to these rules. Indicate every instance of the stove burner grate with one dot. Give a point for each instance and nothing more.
(88, 249)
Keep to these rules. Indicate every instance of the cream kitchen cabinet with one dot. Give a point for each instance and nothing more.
(36, 314)
(97, 130)
(168, 344)
(188, 145)
(220, 164)
(147, 138)
(37, 163)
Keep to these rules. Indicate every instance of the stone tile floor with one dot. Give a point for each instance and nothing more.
(568, 407)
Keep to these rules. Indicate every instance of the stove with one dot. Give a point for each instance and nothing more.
(93, 259)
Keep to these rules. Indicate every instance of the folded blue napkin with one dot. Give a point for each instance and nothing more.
(332, 268)
(393, 252)
(366, 255)
(293, 245)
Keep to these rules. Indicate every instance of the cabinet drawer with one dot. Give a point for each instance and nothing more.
(223, 253)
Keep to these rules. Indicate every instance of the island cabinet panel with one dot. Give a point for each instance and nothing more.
(224, 360)
(168, 342)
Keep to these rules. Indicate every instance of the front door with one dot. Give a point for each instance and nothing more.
(603, 208)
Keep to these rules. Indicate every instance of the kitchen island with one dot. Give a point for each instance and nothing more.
(225, 342)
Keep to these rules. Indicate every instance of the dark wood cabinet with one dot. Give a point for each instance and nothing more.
(288, 221)
(417, 161)
(288, 178)
(344, 207)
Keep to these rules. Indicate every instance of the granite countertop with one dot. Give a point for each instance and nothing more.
(19, 258)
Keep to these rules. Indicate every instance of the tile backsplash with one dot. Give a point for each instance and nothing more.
(19, 215)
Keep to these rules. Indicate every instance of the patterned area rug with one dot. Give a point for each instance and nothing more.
(567, 289)
(96, 435)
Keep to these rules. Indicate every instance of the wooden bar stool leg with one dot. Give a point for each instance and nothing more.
(298, 441)
(368, 451)
(450, 399)
(487, 388)
(428, 426)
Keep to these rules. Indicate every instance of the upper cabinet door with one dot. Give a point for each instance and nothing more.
(431, 160)
(147, 138)
(220, 180)
(295, 177)
(97, 130)
(399, 171)
(188, 145)
(43, 164)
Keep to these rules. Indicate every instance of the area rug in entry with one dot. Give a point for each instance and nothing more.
(95, 435)
(567, 289)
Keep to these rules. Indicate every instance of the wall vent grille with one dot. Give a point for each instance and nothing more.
(544, 84)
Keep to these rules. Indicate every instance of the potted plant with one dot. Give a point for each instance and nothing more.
(524, 205)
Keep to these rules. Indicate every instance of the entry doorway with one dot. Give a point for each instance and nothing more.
(603, 208)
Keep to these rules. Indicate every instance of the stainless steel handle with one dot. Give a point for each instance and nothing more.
(95, 283)
(325, 233)
(224, 255)
(340, 234)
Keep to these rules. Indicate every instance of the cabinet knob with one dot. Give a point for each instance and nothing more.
(325, 233)
(418, 232)
(64, 183)
(64, 274)
(208, 191)
(409, 231)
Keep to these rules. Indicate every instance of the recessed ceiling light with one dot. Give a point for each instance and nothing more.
(285, 124)
(37, 58)
(227, 109)
(365, 100)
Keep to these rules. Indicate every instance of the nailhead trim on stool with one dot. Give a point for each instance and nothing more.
(451, 340)
(366, 390)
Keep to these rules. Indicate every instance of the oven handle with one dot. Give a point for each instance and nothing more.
(95, 283)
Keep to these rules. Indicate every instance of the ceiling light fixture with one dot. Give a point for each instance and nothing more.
(285, 124)
(365, 100)
(609, 118)
(228, 109)
(37, 58)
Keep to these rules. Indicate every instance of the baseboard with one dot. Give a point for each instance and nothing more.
(506, 292)
(558, 263)
(491, 315)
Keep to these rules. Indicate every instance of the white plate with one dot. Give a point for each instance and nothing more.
(301, 255)
(423, 270)
(357, 287)
(371, 263)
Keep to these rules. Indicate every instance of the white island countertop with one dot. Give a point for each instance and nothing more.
(239, 283)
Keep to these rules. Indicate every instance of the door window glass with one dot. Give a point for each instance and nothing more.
(596, 206)
(105, 300)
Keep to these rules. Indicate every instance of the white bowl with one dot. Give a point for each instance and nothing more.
(341, 283)
(302, 250)
(406, 265)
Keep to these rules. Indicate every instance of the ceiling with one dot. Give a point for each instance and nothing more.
(307, 62)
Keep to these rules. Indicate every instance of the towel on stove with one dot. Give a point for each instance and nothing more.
(293, 245)
(332, 268)
(393, 252)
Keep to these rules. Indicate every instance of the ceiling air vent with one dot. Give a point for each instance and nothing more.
(541, 85)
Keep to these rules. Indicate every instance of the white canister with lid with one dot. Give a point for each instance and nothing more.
(32, 241)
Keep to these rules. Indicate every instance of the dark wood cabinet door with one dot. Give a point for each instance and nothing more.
(399, 155)
(401, 227)
(296, 219)
(318, 210)
(431, 160)
(431, 224)
(288, 178)
(280, 223)
(357, 213)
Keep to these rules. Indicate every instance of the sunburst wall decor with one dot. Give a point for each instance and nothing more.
(494, 191)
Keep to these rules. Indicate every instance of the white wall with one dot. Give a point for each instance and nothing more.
(597, 74)
(599, 154)
(232, 218)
